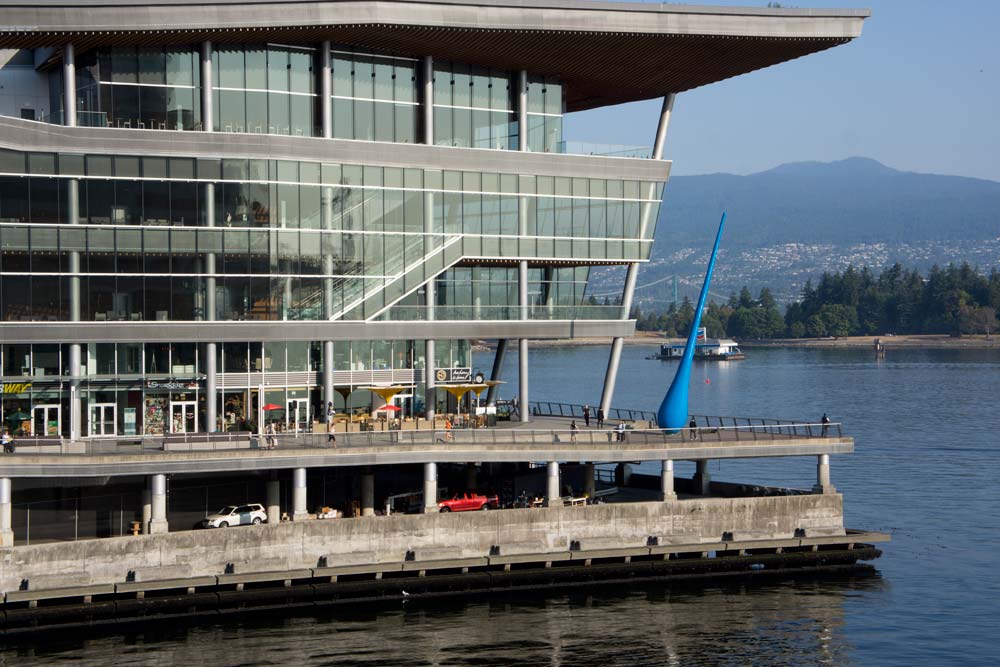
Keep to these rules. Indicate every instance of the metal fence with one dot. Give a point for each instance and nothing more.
(709, 429)
(550, 409)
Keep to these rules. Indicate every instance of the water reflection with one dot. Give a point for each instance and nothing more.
(794, 622)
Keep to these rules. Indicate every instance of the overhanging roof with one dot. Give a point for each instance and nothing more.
(605, 52)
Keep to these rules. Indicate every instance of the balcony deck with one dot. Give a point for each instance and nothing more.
(546, 438)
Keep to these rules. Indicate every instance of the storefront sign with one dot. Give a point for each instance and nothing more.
(171, 385)
(16, 387)
(453, 375)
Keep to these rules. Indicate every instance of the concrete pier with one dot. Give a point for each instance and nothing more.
(589, 486)
(823, 484)
(702, 478)
(158, 504)
(6, 523)
(430, 488)
(273, 501)
(300, 509)
(368, 493)
(667, 491)
(553, 495)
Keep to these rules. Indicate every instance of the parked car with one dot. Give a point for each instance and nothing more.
(463, 502)
(236, 515)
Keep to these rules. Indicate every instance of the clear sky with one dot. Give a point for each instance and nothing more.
(918, 91)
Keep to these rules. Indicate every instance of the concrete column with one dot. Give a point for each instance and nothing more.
(470, 476)
(368, 494)
(325, 89)
(273, 488)
(299, 499)
(6, 520)
(823, 484)
(211, 393)
(158, 504)
(430, 488)
(611, 376)
(702, 478)
(207, 106)
(667, 491)
(553, 496)
(491, 393)
(477, 299)
(589, 487)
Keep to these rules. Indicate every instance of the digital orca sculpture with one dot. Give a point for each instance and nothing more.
(673, 412)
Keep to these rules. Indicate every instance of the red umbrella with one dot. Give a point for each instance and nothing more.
(392, 408)
(271, 406)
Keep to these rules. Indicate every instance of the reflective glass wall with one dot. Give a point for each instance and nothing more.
(265, 89)
(374, 97)
(144, 242)
(474, 107)
(152, 88)
(545, 110)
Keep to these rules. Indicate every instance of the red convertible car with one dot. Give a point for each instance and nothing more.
(463, 502)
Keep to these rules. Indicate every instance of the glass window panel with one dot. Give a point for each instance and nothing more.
(256, 112)
(364, 118)
(278, 119)
(384, 121)
(383, 87)
(124, 65)
(343, 118)
(405, 81)
(343, 79)
(300, 71)
(461, 82)
(277, 69)
(179, 67)
(301, 115)
(364, 78)
(406, 123)
(231, 66)
(152, 65)
(232, 113)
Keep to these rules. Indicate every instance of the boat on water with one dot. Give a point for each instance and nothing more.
(705, 349)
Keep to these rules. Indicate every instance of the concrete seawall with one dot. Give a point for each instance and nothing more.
(394, 539)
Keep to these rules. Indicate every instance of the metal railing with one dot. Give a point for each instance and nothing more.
(550, 409)
(504, 312)
(737, 430)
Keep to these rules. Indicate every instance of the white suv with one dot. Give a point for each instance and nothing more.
(236, 515)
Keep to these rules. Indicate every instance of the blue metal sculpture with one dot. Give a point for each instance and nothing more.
(673, 412)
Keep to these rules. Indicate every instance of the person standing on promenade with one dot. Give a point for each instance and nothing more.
(693, 426)
(826, 424)
(586, 416)
(600, 417)
(620, 431)
(572, 431)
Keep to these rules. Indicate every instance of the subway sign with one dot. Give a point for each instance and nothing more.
(16, 387)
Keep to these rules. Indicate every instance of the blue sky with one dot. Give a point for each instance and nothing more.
(918, 91)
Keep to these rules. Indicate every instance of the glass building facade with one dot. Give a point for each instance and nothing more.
(134, 236)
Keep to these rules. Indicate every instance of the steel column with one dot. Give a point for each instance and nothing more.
(702, 478)
(207, 106)
(611, 375)
(430, 295)
(325, 89)
(589, 485)
(491, 393)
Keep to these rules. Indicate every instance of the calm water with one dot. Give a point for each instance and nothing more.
(926, 469)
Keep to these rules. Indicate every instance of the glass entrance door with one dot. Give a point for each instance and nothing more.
(46, 420)
(183, 416)
(298, 415)
(103, 419)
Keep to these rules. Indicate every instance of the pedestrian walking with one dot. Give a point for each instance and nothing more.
(693, 425)
(826, 424)
(271, 435)
(572, 430)
(620, 431)
(600, 417)
(586, 416)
